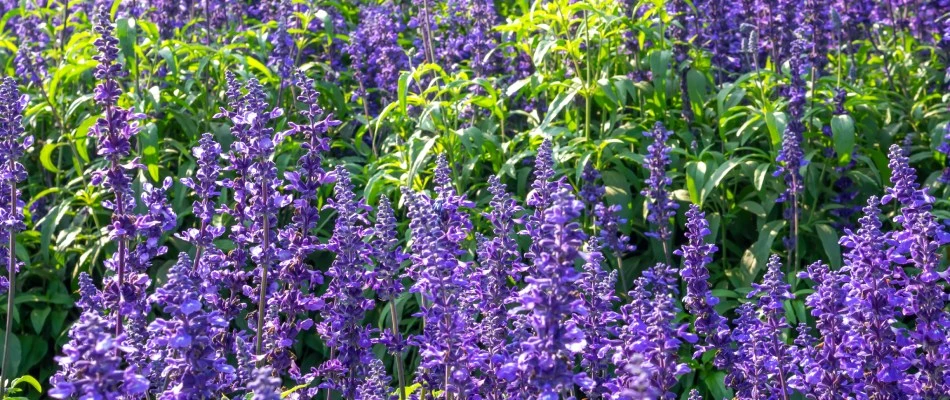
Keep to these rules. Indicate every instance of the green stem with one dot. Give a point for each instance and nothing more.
(11, 288)
(262, 296)
(587, 85)
(400, 368)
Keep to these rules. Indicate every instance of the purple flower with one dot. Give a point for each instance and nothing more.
(608, 216)
(499, 261)
(826, 376)
(721, 32)
(749, 374)
(816, 21)
(699, 300)
(918, 243)
(256, 202)
(771, 347)
(91, 362)
(600, 322)
(114, 131)
(344, 303)
(633, 380)
(542, 364)
(591, 192)
(282, 58)
(13, 145)
(907, 192)
(265, 385)
(791, 157)
(29, 62)
(873, 299)
(944, 148)
(660, 207)
(659, 339)
(387, 252)
(443, 280)
(376, 58)
(375, 385)
(298, 237)
(543, 186)
(183, 344)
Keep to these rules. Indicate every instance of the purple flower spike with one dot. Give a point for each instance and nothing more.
(344, 302)
(265, 385)
(825, 373)
(699, 300)
(91, 363)
(873, 300)
(661, 206)
(387, 252)
(600, 322)
(608, 216)
(542, 366)
(448, 341)
(944, 148)
(499, 260)
(375, 55)
(184, 344)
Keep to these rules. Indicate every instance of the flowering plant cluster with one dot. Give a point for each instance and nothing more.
(464, 199)
(504, 323)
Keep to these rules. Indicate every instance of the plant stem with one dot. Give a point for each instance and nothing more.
(400, 368)
(261, 300)
(11, 287)
(120, 209)
(587, 85)
(199, 250)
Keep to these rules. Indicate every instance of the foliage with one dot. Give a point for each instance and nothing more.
(446, 180)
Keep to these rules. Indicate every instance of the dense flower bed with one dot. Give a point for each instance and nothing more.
(462, 199)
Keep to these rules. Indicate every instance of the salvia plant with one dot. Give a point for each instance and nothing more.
(463, 199)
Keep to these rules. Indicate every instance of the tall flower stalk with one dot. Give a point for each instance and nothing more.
(256, 186)
(661, 206)
(344, 302)
(387, 282)
(543, 361)
(791, 157)
(699, 300)
(114, 132)
(439, 226)
(13, 144)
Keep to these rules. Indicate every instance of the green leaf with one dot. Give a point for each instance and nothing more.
(38, 318)
(403, 87)
(696, 86)
(761, 172)
(80, 135)
(126, 33)
(150, 148)
(695, 180)
(776, 124)
(842, 129)
(756, 256)
(560, 101)
(410, 389)
(716, 384)
(419, 158)
(170, 63)
(46, 155)
(829, 241)
(29, 380)
(291, 391)
(717, 178)
(13, 358)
